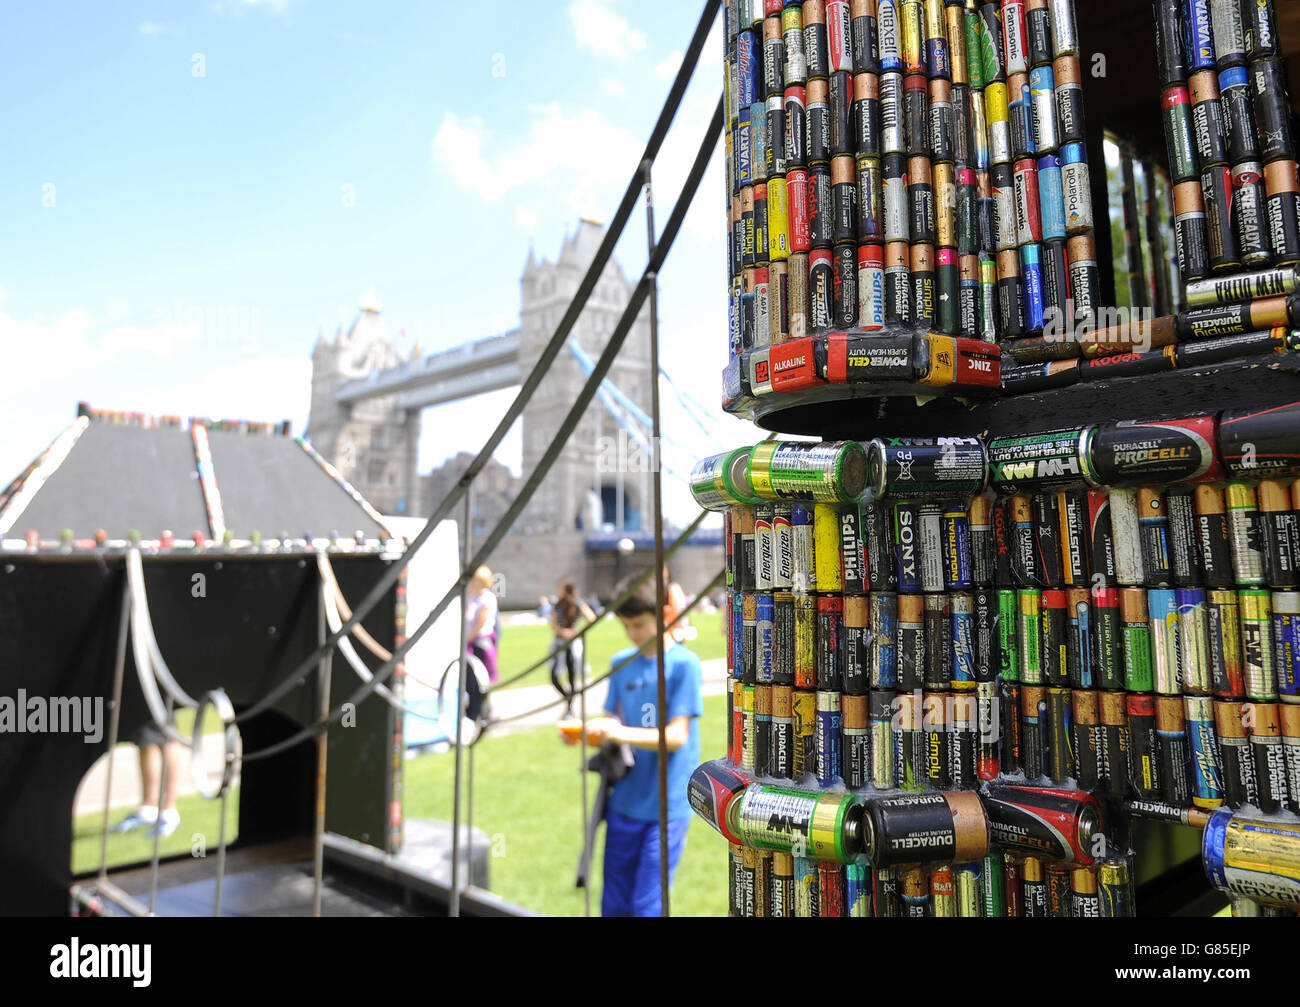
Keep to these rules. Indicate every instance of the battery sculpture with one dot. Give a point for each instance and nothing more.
(907, 184)
(961, 668)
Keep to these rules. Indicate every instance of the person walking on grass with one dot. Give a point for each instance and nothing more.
(564, 620)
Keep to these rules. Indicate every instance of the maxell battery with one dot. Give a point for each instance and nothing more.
(916, 115)
(1255, 607)
(1153, 529)
(1144, 755)
(1108, 640)
(1059, 761)
(1290, 716)
(1053, 642)
(1223, 630)
(1265, 728)
(857, 645)
(1086, 736)
(920, 201)
(1245, 534)
(1236, 759)
(1126, 536)
(830, 642)
(893, 115)
(1078, 638)
(1139, 672)
(1175, 753)
(898, 283)
(909, 743)
(938, 631)
(888, 31)
(1282, 189)
(870, 222)
(884, 637)
(1189, 231)
(1115, 743)
(881, 713)
(1033, 730)
(1281, 534)
(803, 708)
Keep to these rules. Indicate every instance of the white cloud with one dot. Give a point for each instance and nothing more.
(234, 8)
(666, 68)
(153, 29)
(527, 219)
(613, 86)
(598, 28)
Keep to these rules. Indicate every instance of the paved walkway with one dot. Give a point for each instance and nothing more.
(126, 766)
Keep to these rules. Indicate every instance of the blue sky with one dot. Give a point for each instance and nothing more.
(192, 191)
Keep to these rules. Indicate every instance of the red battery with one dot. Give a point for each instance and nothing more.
(796, 182)
(793, 366)
(1029, 223)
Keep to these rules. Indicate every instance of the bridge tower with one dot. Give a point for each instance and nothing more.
(373, 443)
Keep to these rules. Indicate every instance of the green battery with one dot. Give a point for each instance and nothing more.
(1139, 670)
(816, 824)
(974, 51)
(1008, 620)
(948, 281)
(1256, 613)
(970, 898)
(721, 481)
(994, 889)
(826, 472)
(1029, 631)
(1178, 133)
(988, 300)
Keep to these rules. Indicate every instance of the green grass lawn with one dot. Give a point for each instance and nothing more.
(527, 798)
(522, 645)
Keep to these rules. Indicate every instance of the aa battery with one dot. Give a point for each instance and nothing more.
(844, 204)
(870, 223)
(1189, 231)
(763, 721)
(1286, 644)
(1139, 673)
(1194, 661)
(907, 545)
(1144, 755)
(1184, 550)
(988, 713)
(1272, 109)
(1253, 858)
(1059, 760)
(876, 538)
(1034, 727)
(857, 887)
(1033, 888)
(920, 201)
(1174, 751)
(821, 218)
(830, 642)
(1280, 529)
(782, 746)
(1153, 530)
(1115, 741)
(1236, 759)
(1047, 569)
(938, 739)
(909, 743)
(1059, 896)
(1011, 743)
(865, 33)
(1126, 535)
(898, 283)
(1245, 534)
(796, 183)
(884, 639)
(888, 34)
(881, 713)
(1224, 640)
(1170, 62)
(938, 652)
(930, 545)
(1256, 613)
(940, 125)
(1265, 727)
(1047, 460)
(807, 888)
(916, 115)
(1290, 716)
(911, 638)
(1114, 889)
(1282, 190)
(1205, 776)
(963, 658)
(1053, 621)
(893, 115)
(856, 742)
(1162, 606)
(839, 100)
(784, 820)
(871, 287)
(1086, 738)
(805, 641)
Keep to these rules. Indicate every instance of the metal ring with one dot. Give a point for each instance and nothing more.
(232, 749)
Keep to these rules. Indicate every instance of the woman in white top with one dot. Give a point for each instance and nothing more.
(481, 621)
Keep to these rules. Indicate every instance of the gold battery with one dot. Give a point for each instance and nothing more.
(910, 18)
(804, 710)
(942, 351)
(805, 641)
(826, 549)
(945, 204)
(778, 219)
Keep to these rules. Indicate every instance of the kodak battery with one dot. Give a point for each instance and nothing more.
(998, 111)
(1235, 757)
(916, 115)
(1086, 738)
(968, 297)
(898, 283)
(1221, 241)
(857, 645)
(1162, 613)
(1281, 534)
(893, 123)
(1236, 103)
(911, 637)
(1265, 728)
(1059, 894)
(1224, 641)
(988, 711)
(1272, 109)
(783, 638)
(1176, 103)
(1255, 609)
(1042, 108)
(884, 639)
(1021, 110)
(1053, 621)
(871, 287)
(1011, 742)
(1108, 637)
(944, 186)
(1206, 774)
(1078, 638)
(1059, 756)
(920, 201)
(897, 227)
(1115, 743)
(881, 714)
(856, 743)
(1190, 231)
(1153, 529)
(869, 225)
(1249, 214)
(1005, 220)
(938, 634)
(865, 124)
(1139, 672)
(1193, 641)
(1003, 528)
(1282, 190)
(909, 743)
(1290, 717)
(940, 121)
(1208, 130)
(865, 35)
(803, 708)
(911, 36)
(938, 739)
(773, 56)
(888, 31)
(923, 282)
(1144, 750)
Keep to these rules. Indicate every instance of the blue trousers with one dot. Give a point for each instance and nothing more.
(631, 886)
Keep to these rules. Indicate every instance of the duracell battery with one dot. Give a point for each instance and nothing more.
(1010, 749)
(1153, 527)
(856, 750)
(920, 200)
(1265, 729)
(839, 102)
(1290, 715)
(898, 283)
(1221, 240)
(1057, 297)
(773, 56)
(916, 115)
(1175, 753)
(1213, 538)
(1025, 562)
(1282, 193)
(1108, 637)
(1060, 740)
(1250, 226)
(1033, 895)
(968, 297)
(796, 126)
(1235, 756)
(1144, 749)
(1115, 743)
(821, 289)
(910, 753)
(1034, 727)
(1069, 99)
(1087, 740)
(1281, 538)
(1011, 300)
(1101, 545)
(1171, 66)
(912, 642)
(938, 758)
(923, 282)
(1189, 231)
(816, 46)
(1236, 99)
(1047, 528)
(938, 636)
(857, 646)
(1207, 119)
(1085, 276)
(1272, 109)
(940, 116)
(865, 122)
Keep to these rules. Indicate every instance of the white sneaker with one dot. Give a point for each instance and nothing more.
(133, 821)
(168, 822)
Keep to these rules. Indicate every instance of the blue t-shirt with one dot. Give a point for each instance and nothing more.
(633, 699)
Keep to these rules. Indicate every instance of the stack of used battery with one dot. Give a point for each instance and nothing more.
(882, 185)
(900, 631)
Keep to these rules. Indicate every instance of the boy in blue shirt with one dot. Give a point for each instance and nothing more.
(631, 873)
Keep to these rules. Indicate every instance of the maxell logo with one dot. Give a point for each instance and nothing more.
(102, 961)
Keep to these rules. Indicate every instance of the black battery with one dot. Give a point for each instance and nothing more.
(1207, 119)
(783, 638)
(1086, 738)
(1282, 192)
(830, 643)
(1229, 35)
(916, 115)
(821, 203)
(1281, 540)
(857, 742)
(1144, 749)
(1239, 786)
(871, 221)
(1212, 536)
(1260, 25)
(845, 284)
(863, 30)
(898, 283)
(1078, 637)
(1272, 109)
(1053, 620)
(1189, 231)
(986, 614)
(1011, 295)
(840, 103)
(1171, 65)
(1038, 28)
(796, 125)
(1236, 99)
(1221, 241)
(1184, 552)
(773, 56)
(1073, 509)
(1033, 730)
(1047, 531)
(1056, 284)
(920, 201)
(1115, 741)
(938, 636)
(857, 645)
(1175, 750)
(1250, 214)
(1107, 637)
(881, 569)
(941, 126)
(1003, 543)
(1153, 529)
(816, 46)
(1010, 754)
(962, 720)
(866, 114)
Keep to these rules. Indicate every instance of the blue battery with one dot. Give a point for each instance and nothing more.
(1162, 616)
(763, 652)
(1051, 197)
(827, 737)
(956, 547)
(760, 143)
(962, 618)
(938, 59)
(887, 34)
(907, 545)
(1080, 625)
(1286, 643)
(745, 147)
(733, 321)
(1042, 107)
(1198, 39)
(1213, 841)
(1207, 778)
(858, 884)
(747, 57)
(884, 639)
(1252, 868)
(1031, 282)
